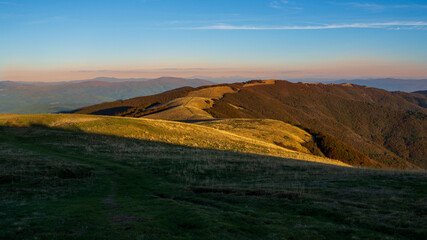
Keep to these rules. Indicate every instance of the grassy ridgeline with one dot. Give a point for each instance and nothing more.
(63, 183)
(163, 131)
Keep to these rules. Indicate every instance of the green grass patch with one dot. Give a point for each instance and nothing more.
(66, 184)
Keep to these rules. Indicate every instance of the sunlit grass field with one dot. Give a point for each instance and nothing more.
(90, 177)
(272, 131)
(185, 134)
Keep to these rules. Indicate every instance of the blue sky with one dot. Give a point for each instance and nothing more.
(54, 40)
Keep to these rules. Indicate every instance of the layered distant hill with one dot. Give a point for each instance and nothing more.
(421, 92)
(390, 84)
(16, 97)
(361, 126)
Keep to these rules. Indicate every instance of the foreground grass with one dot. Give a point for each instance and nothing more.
(67, 184)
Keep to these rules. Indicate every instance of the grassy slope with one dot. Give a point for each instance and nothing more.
(186, 108)
(273, 131)
(160, 130)
(67, 184)
(292, 137)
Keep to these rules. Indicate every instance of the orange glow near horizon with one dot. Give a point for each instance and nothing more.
(333, 70)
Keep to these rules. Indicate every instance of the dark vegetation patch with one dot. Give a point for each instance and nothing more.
(112, 111)
(313, 147)
(138, 104)
(333, 148)
(291, 195)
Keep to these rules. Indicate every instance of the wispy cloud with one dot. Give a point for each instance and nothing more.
(390, 25)
(284, 4)
(210, 20)
(370, 6)
(278, 3)
(8, 3)
(381, 7)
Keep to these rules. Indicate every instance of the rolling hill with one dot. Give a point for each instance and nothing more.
(362, 126)
(67, 176)
(27, 98)
(194, 135)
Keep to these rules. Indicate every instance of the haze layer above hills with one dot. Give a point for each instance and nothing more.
(361, 126)
(29, 98)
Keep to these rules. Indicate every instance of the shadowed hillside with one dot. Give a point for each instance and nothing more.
(423, 92)
(369, 125)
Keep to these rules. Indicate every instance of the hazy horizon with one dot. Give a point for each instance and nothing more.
(70, 40)
(218, 80)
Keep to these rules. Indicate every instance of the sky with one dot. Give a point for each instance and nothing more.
(60, 40)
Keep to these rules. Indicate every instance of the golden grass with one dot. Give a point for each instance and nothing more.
(191, 107)
(267, 130)
(261, 82)
(185, 108)
(181, 113)
(186, 134)
(212, 92)
(196, 102)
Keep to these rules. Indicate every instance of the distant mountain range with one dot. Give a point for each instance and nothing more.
(361, 126)
(421, 92)
(51, 97)
(25, 97)
(390, 84)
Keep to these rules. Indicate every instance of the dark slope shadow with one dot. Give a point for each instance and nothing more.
(108, 112)
(69, 111)
(112, 111)
(76, 132)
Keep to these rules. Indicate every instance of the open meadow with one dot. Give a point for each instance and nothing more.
(62, 177)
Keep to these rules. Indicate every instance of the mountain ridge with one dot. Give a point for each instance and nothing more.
(373, 124)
